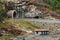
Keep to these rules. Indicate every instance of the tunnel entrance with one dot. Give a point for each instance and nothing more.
(14, 14)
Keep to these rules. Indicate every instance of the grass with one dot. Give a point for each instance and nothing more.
(23, 23)
(1, 25)
(5, 37)
(26, 24)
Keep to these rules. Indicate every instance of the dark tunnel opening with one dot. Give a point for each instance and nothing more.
(14, 14)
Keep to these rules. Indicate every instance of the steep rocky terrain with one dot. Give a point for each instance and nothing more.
(54, 28)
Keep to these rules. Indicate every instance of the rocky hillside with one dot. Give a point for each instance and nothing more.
(50, 7)
(53, 27)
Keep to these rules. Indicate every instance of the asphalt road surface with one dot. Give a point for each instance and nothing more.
(40, 20)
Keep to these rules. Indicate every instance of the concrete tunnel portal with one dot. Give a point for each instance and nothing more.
(12, 14)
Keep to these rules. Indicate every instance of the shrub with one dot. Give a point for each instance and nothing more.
(2, 14)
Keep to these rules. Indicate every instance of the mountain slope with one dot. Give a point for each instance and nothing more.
(52, 4)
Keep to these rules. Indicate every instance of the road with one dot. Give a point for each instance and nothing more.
(41, 37)
(41, 20)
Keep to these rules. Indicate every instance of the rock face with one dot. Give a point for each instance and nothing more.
(39, 1)
(12, 0)
(53, 27)
(16, 1)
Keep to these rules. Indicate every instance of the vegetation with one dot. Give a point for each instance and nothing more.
(2, 16)
(26, 24)
(2, 12)
(59, 39)
(55, 4)
(2, 24)
(51, 4)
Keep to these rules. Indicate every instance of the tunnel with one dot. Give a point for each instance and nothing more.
(14, 14)
(11, 13)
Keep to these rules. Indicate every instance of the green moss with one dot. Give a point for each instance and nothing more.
(2, 24)
(57, 10)
(26, 24)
